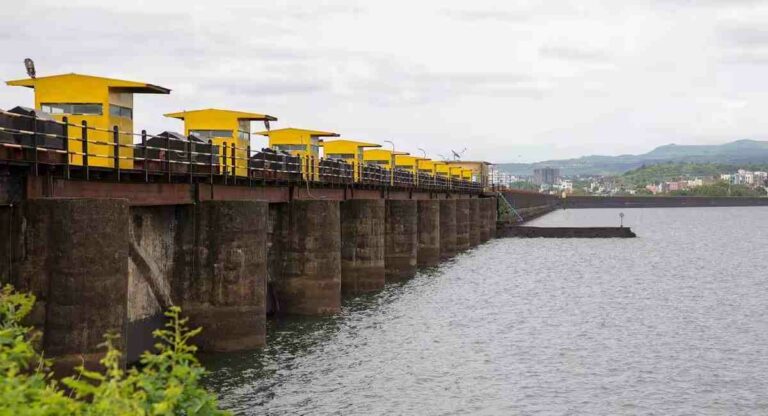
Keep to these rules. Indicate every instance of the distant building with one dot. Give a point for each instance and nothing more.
(546, 176)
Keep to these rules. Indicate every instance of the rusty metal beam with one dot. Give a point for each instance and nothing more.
(148, 194)
(136, 193)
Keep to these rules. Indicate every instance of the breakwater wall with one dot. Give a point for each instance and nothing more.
(659, 201)
(520, 206)
(99, 265)
(565, 232)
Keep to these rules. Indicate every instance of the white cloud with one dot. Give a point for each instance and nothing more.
(510, 81)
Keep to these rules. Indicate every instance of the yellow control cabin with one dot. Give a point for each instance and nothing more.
(480, 170)
(426, 166)
(304, 143)
(102, 103)
(454, 172)
(350, 151)
(298, 142)
(442, 169)
(224, 128)
(409, 163)
(381, 157)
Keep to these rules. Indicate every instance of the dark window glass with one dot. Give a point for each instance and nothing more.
(210, 134)
(120, 111)
(290, 147)
(344, 156)
(75, 109)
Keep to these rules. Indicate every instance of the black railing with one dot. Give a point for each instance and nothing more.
(49, 145)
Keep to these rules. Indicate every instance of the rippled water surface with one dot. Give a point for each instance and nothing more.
(672, 322)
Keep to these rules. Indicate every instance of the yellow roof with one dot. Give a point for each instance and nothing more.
(132, 86)
(306, 131)
(408, 156)
(375, 151)
(240, 115)
(352, 142)
(468, 161)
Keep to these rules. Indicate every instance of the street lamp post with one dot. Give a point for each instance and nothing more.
(391, 163)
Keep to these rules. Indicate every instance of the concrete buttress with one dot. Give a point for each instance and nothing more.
(220, 282)
(306, 257)
(428, 254)
(447, 228)
(462, 225)
(475, 222)
(362, 246)
(401, 245)
(78, 250)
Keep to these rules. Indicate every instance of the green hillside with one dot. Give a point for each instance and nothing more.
(738, 153)
(672, 171)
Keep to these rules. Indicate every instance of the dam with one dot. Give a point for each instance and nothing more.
(106, 249)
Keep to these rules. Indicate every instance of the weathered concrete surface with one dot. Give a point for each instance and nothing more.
(447, 228)
(475, 222)
(221, 271)
(306, 257)
(484, 217)
(401, 247)
(428, 253)
(462, 224)
(489, 217)
(565, 232)
(532, 213)
(520, 199)
(152, 250)
(494, 216)
(362, 246)
(74, 257)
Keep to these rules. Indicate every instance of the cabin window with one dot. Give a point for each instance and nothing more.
(120, 111)
(211, 134)
(244, 129)
(379, 162)
(345, 156)
(74, 109)
(290, 147)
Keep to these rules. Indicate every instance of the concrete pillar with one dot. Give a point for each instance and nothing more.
(475, 222)
(306, 256)
(76, 261)
(401, 245)
(485, 231)
(221, 281)
(462, 225)
(447, 228)
(362, 246)
(428, 254)
(492, 217)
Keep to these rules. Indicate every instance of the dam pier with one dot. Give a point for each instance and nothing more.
(114, 262)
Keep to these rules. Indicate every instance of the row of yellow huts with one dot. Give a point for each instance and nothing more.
(104, 103)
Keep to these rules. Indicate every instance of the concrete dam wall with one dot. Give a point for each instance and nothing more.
(660, 201)
(102, 265)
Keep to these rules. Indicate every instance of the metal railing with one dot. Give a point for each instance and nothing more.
(86, 151)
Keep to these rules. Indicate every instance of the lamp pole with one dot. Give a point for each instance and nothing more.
(391, 163)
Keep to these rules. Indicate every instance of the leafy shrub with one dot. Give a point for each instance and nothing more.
(166, 384)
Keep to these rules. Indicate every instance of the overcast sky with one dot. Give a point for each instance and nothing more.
(508, 80)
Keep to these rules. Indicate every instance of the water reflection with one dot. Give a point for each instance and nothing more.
(674, 321)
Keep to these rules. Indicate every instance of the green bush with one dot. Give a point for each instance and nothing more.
(167, 383)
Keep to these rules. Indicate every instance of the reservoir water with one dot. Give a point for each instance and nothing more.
(672, 322)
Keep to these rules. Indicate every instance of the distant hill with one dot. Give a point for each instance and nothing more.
(740, 152)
